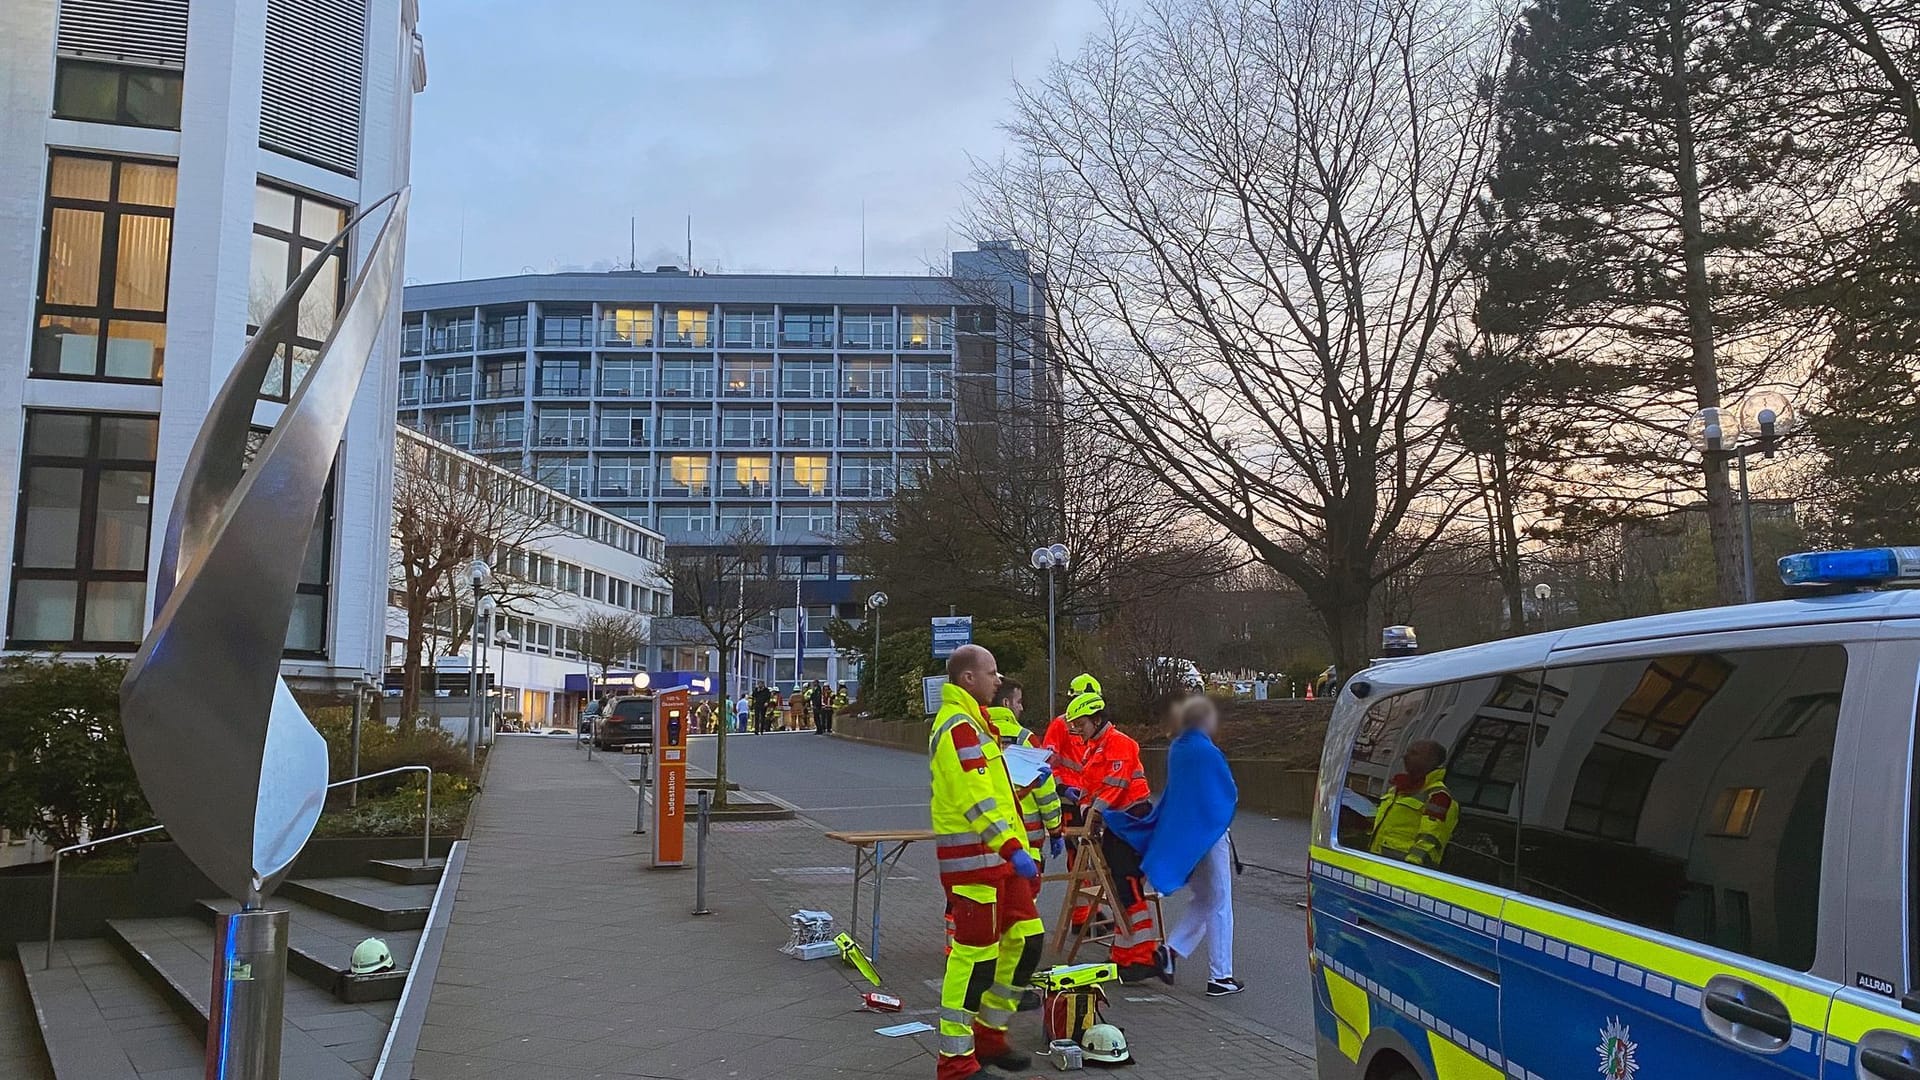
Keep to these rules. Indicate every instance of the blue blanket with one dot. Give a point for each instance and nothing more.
(1190, 816)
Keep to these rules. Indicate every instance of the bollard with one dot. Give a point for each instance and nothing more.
(700, 853)
(640, 798)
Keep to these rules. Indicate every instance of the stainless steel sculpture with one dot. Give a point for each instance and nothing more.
(224, 754)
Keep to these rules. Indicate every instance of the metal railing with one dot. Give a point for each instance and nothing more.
(53, 902)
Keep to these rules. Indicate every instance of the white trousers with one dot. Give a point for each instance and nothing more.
(1209, 912)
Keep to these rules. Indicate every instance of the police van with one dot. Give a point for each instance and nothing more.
(1677, 846)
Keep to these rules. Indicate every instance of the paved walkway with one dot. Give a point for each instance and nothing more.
(567, 958)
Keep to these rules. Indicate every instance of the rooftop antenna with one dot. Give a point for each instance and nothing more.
(633, 247)
(460, 272)
(863, 238)
(689, 243)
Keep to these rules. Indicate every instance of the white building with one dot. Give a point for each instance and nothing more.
(585, 560)
(165, 168)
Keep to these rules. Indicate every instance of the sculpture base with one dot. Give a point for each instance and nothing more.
(249, 998)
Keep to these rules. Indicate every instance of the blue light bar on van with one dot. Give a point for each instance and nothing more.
(1862, 566)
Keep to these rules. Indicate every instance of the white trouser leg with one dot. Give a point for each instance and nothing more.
(1209, 912)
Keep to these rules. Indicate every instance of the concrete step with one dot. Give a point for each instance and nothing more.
(100, 1020)
(323, 1038)
(320, 950)
(407, 871)
(377, 904)
(22, 1053)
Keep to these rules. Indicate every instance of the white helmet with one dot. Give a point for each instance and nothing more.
(371, 956)
(1106, 1045)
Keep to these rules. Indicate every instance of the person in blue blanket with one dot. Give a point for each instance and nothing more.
(1183, 843)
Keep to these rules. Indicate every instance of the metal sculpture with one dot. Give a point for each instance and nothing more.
(225, 756)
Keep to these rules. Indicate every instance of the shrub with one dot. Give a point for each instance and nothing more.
(66, 769)
(384, 746)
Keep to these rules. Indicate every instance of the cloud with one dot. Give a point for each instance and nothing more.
(548, 128)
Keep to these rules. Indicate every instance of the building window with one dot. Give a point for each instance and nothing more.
(746, 474)
(686, 474)
(685, 328)
(1734, 811)
(103, 269)
(805, 474)
(626, 328)
(86, 509)
(1671, 693)
(289, 229)
(116, 94)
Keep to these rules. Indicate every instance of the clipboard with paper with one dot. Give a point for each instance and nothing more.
(1024, 763)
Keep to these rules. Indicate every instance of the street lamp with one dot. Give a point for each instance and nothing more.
(483, 610)
(1762, 416)
(478, 574)
(1050, 558)
(874, 604)
(1543, 592)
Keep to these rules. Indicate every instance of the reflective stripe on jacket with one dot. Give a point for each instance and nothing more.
(976, 825)
(1039, 808)
(1415, 819)
(1114, 777)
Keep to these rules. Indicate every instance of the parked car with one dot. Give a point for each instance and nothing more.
(626, 720)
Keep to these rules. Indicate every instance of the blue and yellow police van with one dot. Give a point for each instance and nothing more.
(1676, 846)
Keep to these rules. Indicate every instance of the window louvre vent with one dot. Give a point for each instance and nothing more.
(310, 87)
(127, 31)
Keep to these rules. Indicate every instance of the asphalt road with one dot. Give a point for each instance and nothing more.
(848, 785)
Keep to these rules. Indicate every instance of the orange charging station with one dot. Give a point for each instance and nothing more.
(670, 718)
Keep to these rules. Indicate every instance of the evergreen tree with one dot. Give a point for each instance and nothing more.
(1868, 428)
(1646, 187)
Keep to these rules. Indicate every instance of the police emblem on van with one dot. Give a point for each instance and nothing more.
(1617, 1051)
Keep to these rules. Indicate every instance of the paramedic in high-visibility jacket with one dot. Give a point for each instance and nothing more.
(986, 869)
(1417, 815)
(1117, 784)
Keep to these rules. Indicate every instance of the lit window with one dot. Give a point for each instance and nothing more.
(1734, 811)
(688, 471)
(806, 472)
(86, 499)
(103, 269)
(749, 471)
(626, 327)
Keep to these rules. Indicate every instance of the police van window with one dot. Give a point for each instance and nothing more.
(1687, 793)
(1434, 776)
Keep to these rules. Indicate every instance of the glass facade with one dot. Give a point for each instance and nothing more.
(699, 418)
(80, 551)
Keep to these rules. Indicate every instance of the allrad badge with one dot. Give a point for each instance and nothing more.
(1617, 1051)
(1873, 984)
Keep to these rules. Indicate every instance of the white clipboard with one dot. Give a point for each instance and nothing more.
(1024, 763)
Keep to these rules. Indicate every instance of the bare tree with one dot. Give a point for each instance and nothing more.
(608, 638)
(448, 509)
(961, 529)
(721, 593)
(1249, 216)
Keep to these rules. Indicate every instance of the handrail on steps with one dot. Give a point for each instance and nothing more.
(53, 904)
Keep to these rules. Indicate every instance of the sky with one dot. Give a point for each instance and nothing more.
(547, 127)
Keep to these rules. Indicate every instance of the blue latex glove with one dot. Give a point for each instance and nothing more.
(1024, 865)
(1041, 777)
(1070, 794)
(1056, 846)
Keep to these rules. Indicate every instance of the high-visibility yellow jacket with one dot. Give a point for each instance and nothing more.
(1415, 819)
(1040, 807)
(976, 823)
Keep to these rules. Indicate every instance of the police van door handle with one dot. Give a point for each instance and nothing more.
(1888, 1064)
(1741, 1012)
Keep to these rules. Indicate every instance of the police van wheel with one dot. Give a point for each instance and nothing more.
(1392, 1067)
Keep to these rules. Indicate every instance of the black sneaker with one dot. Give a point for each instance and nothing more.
(1138, 973)
(1223, 987)
(1164, 959)
(1029, 1001)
